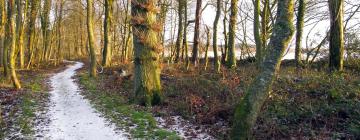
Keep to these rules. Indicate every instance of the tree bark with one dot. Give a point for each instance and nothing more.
(299, 32)
(215, 28)
(336, 8)
(2, 24)
(91, 39)
(195, 50)
(106, 61)
(20, 23)
(250, 105)
(179, 39)
(147, 49)
(45, 25)
(257, 37)
(232, 33)
(11, 41)
(31, 29)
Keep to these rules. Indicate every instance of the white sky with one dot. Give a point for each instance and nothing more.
(315, 36)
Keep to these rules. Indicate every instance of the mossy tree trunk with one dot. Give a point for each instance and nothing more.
(179, 39)
(257, 37)
(232, 33)
(215, 32)
(45, 25)
(20, 23)
(106, 60)
(195, 49)
(11, 41)
(185, 41)
(336, 8)
(299, 31)
(265, 19)
(34, 5)
(91, 39)
(2, 24)
(208, 39)
(147, 49)
(225, 47)
(250, 105)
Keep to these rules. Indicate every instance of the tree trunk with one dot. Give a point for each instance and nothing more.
(264, 25)
(258, 41)
(179, 39)
(147, 49)
(106, 61)
(250, 105)
(336, 8)
(45, 25)
(2, 24)
(20, 22)
(31, 29)
(195, 50)
(11, 42)
(91, 39)
(215, 47)
(208, 38)
(299, 32)
(232, 33)
(185, 42)
(225, 47)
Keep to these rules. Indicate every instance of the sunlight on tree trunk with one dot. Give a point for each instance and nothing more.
(147, 49)
(232, 28)
(336, 8)
(20, 22)
(45, 25)
(257, 37)
(299, 32)
(250, 105)
(215, 32)
(195, 50)
(11, 42)
(106, 60)
(179, 39)
(35, 4)
(91, 39)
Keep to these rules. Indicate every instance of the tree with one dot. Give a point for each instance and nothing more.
(258, 41)
(91, 40)
(31, 29)
(232, 34)
(147, 49)
(250, 105)
(2, 23)
(11, 41)
(336, 8)
(299, 31)
(106, 61)
(195, 50)
(215, 32)
(20, 25)
(45, 25)
(179, 40)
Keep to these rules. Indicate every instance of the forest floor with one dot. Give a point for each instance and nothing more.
(19, 107)
(304, 104)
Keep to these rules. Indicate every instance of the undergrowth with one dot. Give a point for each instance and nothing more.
(140, 123)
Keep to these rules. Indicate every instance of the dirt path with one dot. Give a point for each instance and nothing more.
(71, 116)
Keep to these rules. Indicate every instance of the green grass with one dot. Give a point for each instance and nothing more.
(29, 104)
(116, 108)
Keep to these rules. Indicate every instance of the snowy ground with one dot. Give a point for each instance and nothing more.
(71, 116)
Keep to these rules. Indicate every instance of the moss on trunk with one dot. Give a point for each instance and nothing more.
(250, 105)
(147, 49)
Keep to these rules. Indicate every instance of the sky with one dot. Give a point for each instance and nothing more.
(315, 36)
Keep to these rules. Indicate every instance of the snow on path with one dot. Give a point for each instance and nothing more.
(71, 116)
